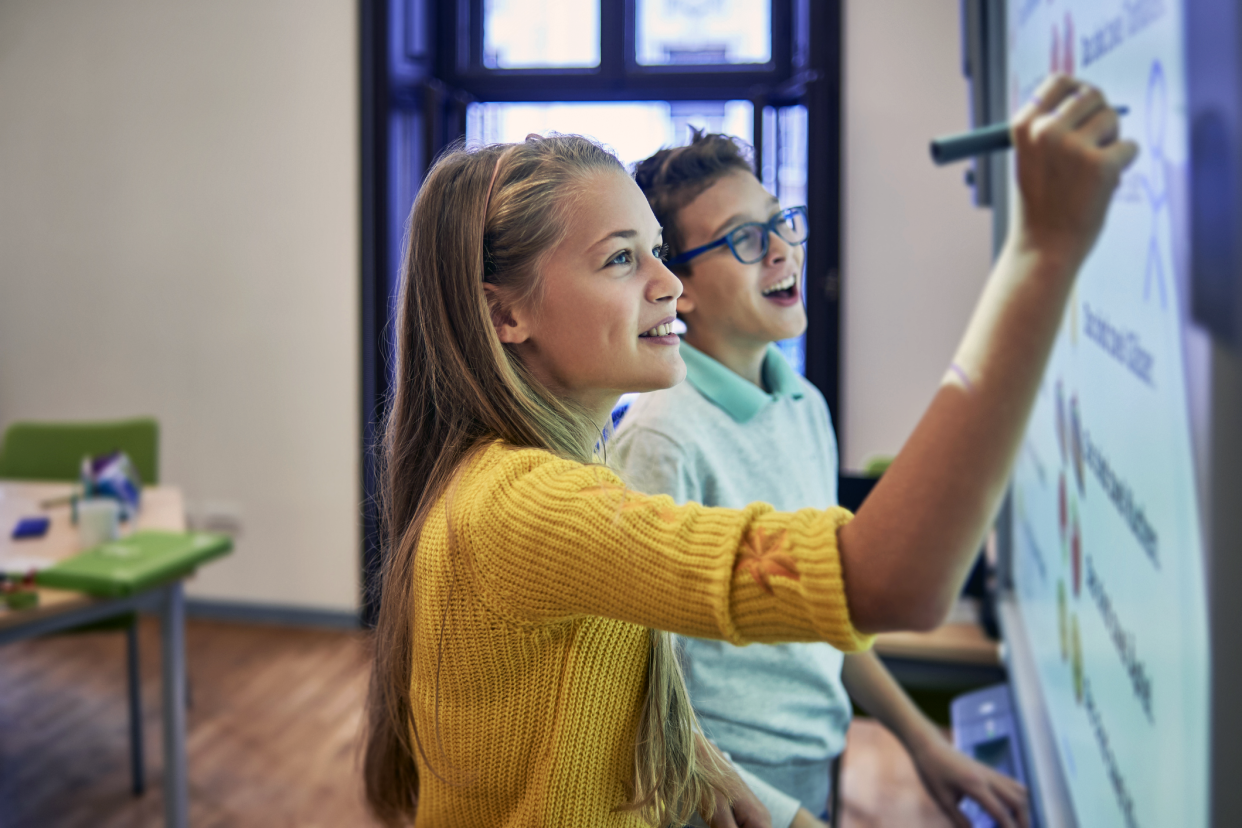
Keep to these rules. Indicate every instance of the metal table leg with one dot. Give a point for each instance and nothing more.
(176, 781)
(137, 770)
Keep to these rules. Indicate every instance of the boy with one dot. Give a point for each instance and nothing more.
(745, 427)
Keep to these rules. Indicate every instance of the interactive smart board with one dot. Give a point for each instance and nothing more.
(1106, 535)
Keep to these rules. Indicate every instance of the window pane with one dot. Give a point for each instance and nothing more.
(792, 156)
(633, 130)
(703, 31)
(524, 34)
(789, 152)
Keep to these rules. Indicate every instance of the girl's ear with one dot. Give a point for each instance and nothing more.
(511, 327)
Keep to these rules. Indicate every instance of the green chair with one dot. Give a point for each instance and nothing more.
(54, 451)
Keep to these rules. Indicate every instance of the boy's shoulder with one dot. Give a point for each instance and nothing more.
(810, 391)
(685, 415)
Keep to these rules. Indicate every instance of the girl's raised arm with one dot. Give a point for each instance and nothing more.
(550, 541)
(911, 545)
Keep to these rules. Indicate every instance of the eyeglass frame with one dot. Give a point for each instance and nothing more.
(769, 226)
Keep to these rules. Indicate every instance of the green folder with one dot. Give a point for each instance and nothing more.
(135, 563)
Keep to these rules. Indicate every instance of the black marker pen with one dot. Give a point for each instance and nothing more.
(988, 139)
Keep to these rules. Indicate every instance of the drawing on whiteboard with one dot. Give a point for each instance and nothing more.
(1156, 183)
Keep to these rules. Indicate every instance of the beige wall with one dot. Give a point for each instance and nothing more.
(178, 213)
(178, 237)
(916, 250)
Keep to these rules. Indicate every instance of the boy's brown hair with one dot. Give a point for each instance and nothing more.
(674, 177)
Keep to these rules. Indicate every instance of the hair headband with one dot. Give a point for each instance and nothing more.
(496, 171)
(488, 199)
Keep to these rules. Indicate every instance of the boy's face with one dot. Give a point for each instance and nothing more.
(724, 301)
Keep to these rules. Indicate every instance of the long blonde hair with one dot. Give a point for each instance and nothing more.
(491, 215)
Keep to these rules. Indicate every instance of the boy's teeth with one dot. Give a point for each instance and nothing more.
(659, 330)
(783, 284)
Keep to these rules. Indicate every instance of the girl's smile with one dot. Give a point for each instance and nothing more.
(661, 333)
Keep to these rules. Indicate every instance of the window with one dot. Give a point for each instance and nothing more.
(670, 49)
(679, 32)
(634, 74)
(525, 34)
(633, 130)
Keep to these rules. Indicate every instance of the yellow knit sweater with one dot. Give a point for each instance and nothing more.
(530, 633)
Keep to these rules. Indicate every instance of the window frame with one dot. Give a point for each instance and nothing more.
(418, 72)
(619, 76)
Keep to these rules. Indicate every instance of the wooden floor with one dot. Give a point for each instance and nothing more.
(273, 735)
(272, 729)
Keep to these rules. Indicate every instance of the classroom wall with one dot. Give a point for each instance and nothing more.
(916, 250)
(178, 237)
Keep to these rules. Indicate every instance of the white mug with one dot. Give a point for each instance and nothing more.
(99, 521)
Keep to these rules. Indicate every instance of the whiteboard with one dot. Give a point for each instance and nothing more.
(1106, 525)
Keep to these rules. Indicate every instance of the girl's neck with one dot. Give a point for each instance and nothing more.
(601, 412)
(597, 405)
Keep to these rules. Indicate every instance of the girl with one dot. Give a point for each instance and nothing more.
(519, 677)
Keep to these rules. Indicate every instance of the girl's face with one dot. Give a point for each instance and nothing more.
(600, 326)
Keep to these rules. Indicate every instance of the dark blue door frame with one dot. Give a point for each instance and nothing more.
(421, 66)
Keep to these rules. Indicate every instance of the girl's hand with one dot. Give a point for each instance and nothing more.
(950, 775)
(736, 805)
(1069, 162)
(746, 811)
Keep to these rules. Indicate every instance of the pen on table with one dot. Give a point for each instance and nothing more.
(980, 141)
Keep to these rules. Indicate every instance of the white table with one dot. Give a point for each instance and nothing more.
(58, 610)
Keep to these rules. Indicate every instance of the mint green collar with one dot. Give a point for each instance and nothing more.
(740, 399)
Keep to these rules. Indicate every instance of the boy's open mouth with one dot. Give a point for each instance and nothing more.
(784, 291)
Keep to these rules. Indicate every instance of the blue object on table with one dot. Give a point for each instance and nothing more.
(984, 727)
(112, 475)
(31, 527)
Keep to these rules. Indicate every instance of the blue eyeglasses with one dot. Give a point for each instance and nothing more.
(749, 242)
